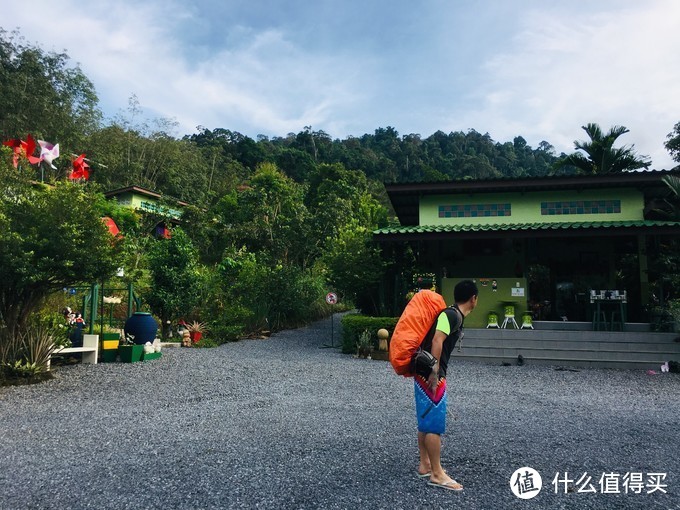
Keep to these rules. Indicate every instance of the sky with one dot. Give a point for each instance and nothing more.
(540, 69)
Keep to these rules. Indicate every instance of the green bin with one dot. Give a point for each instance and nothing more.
(130, 353)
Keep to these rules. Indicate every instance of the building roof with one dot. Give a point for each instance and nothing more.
(537, 229)
(405, 196)
(142, 191)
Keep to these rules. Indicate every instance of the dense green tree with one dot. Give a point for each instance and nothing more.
(354, 265)
(336, 197)
(295, 163)
(128, 152)
(174, 276)
(673, 143)
(50, 238)
(42, 95)
(267, 215)
(601, 155)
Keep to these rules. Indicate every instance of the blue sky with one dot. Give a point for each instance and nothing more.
(536, 68)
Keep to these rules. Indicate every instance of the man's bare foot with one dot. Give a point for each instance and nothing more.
(424, 470)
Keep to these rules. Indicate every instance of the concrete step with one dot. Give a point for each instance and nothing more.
(628, 349)
(582, 336)
(653, 356)
(586, 326)
(630, 364)
(572, 345)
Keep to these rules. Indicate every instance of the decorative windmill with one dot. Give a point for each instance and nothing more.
(81, 170)
(21, 148)
(48, 152)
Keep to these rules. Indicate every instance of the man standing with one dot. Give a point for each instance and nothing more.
(430, 393)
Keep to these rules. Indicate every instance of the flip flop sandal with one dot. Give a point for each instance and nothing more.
(451, 486)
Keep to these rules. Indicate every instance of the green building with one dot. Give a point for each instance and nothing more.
(543, 244)
(147, 201)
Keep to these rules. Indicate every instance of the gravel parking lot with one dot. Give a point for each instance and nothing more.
(284, 423)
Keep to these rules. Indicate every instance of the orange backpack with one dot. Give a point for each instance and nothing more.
(412, 327)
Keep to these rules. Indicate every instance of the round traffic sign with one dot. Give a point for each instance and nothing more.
(331, 298)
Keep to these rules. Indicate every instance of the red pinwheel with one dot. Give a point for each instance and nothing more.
(30, 149)
(22, 148)
(81, 170)
(17, 147)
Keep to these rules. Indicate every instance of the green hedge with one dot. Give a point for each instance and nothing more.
(354, 324)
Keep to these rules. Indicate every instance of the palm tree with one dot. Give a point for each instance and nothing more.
(601, 156)
(673, 200)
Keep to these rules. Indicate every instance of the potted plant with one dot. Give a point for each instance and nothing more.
(364, 344)
(129, 351)
(196, 330)
(110, 333)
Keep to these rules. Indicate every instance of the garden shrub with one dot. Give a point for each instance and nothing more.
(27, 352)
(206, 343)
(228, 321)
(354, 324)
(246, 296)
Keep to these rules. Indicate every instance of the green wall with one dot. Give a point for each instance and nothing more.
(490, 300)
(147, 204)
(526, 207)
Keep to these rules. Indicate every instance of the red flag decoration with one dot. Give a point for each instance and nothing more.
(81, 170)
(113, 228)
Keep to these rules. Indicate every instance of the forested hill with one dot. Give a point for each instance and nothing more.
(386, 155)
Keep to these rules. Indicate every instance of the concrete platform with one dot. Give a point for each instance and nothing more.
(635, 348)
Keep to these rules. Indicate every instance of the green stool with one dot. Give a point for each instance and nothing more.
(492, 320)
(617, 321)
(509, 316)
(527, 321)
(599, 321)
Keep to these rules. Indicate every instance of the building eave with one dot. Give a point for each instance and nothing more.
(526, 230)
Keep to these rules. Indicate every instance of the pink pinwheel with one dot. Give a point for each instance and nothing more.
(48, 152)
(81, 170)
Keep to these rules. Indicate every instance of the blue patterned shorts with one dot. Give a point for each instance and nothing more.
(430, 407)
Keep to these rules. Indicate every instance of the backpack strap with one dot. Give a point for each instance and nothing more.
(460, 327)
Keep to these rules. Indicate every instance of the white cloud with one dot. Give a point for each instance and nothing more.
(614, 68)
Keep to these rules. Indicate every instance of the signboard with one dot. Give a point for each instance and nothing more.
(331, 298)
(517, 292)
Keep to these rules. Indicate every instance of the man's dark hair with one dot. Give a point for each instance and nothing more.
(464, 290)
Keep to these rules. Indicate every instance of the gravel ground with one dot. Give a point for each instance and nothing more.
(282, 423)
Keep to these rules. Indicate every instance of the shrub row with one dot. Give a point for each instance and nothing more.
(354, 324)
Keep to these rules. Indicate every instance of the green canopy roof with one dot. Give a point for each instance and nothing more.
(538, 229)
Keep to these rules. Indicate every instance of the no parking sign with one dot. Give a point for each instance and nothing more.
(331, 299)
